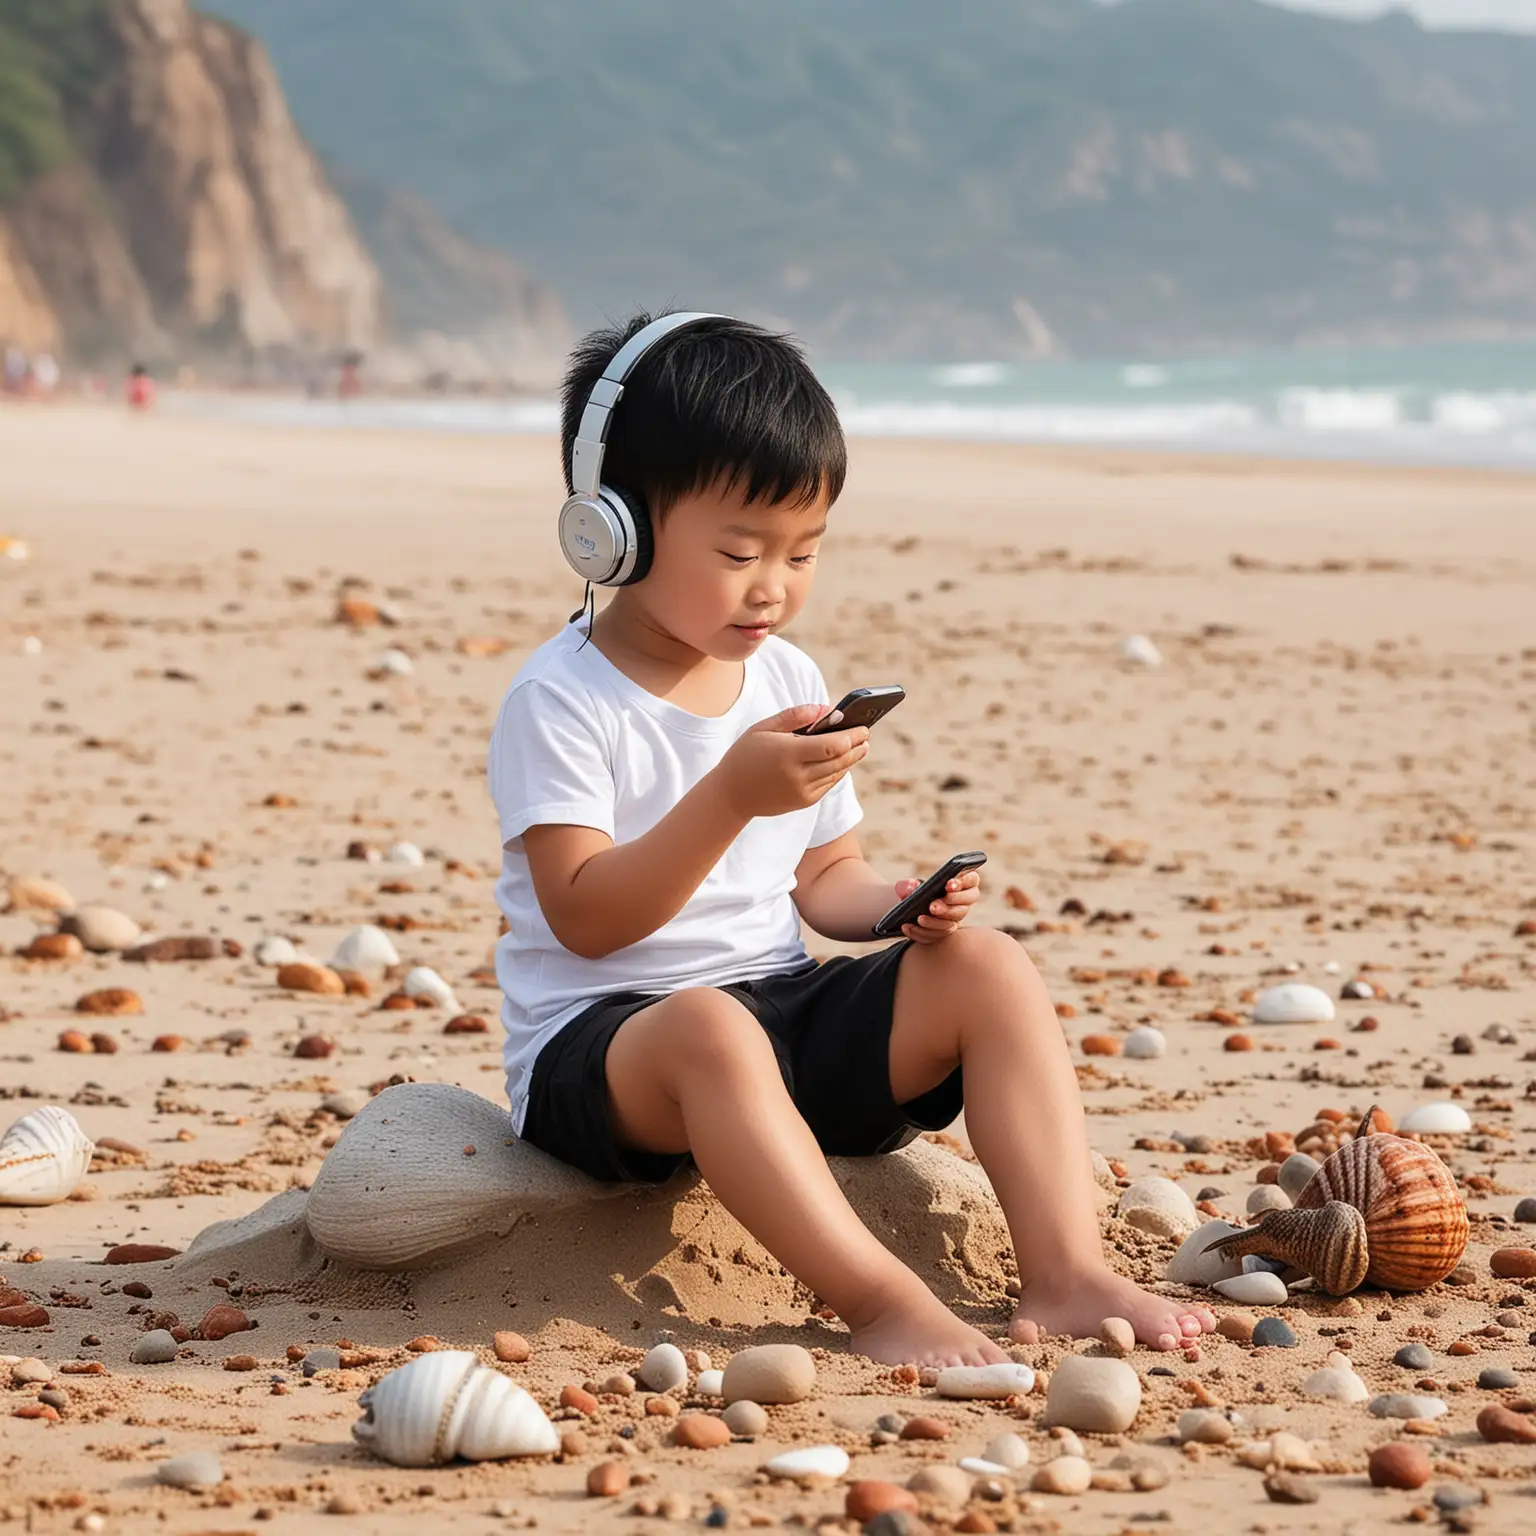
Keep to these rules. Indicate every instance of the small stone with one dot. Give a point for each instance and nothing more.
(343, 1504)
(701, 1431)
(1288, 1452)
(1514, 1263)
(1406, 1405)
(1095, 1394)
(1500, 1425)
(661, 1407)
(1100, 1045)
(1145, 1043)
(829, 1461)
(196, 1469)
(241, 1363)
(36, 893)
(867, 1498)
(314, 1048)
(1267, 1197)
(1118, 1335)
(1275, 1333)
(620, 1384)
(1338, 1384)
(1296, 1173)
(322, 1359)
(23, 1314)
(110, 1002)
(1525, 1211)
(573, 1444)
(1238, 1042)
(1257, 1289)
(923, 1427)
(511, 1347)
(985, 1381)
(184, 946)
(1206, 1426)
(709, 1383)
(1065, 1475)
(769, 1373)
(101, 929)
(664, 1369)
(304, 976)
(948, 1486)
(1495, 1378)
(579, 1399)
(746, 1419)
(154, 1348)
(1287, 1488)
(1158, 1206)
(1451, 1498)
(30, 1372)
(893, 1522)
(221, 1321)
(1414, 1357)
(1009, 1450)
(53, 946)
(1399, 1466)
(74, 1043)
(607, 1480)
(1192, 1265)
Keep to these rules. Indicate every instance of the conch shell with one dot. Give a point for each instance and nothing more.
(43, 1157)
(1381, 1209)
(446, 1404)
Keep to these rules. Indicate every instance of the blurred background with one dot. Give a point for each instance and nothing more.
(1225, 224)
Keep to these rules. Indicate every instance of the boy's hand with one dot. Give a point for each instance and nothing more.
(947, 913)
(770, 770)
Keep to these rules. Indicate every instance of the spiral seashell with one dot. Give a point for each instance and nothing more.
(1381, 1209)
(446, 1404)
(43, 1157)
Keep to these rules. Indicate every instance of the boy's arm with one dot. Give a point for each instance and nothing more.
(839, 893)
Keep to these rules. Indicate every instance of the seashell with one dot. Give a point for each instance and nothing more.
(366, 949)
(1158, 1206)
(425, 982)
(1139, 652)
(404, 853)
(446, 1404)
(1382, 1208)
(1443, 1118)
(274, 951)
(1293, 1002)
(395, 663)
(809, 1461)
(43, 1158)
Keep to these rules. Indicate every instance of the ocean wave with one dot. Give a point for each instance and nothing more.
(1309, 409)
(1084, 423)
(972, 375)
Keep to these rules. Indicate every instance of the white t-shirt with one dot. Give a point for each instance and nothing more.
(579, 743)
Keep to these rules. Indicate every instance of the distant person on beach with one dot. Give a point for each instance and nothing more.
(141, 388)
(665, 832)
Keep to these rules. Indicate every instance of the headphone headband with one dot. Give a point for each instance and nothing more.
(592, 435)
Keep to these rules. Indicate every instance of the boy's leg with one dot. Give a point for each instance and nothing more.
(695, 1072)
(977, 1000)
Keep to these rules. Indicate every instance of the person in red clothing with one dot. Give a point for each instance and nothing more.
(141, 388)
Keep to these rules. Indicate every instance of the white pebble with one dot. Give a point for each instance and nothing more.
(1260, 1289)
(985, 1381)
(809, 1461)
(423, 981)
(1296, 1172)
(405, 853)
(1405, 1405)
(1064, 1475)
(978, 1466)
(710, 1383)
(1284, 1450)
(1191, 1265)
(1267, 1197)
(1144, 1043)
(367, 950)
(1158, 1206)
(1293, 1002)
(1207, 1426)
(1096, 1394)
(1118, 1334)
(153, 1348)
(1139, 651)
(273, 951)
(1008, 1450)
(1339, 1384)
(663, 1369)
(197, 1469)
(1440, 1117)
(31, 646)
(396, 664)
(746, 1418)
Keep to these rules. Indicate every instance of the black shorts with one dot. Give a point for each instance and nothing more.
(830, 1025)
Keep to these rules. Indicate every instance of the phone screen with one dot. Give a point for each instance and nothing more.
(863, 706)
(912, 907)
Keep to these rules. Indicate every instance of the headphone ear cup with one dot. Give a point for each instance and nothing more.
(640, 521)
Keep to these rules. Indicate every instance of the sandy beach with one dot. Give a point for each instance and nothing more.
(1329, 779)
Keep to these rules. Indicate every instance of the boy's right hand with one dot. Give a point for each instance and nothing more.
(770, 770)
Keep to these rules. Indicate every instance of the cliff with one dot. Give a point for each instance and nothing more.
(155, 196)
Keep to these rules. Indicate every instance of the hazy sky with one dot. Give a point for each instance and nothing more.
(1437, 13)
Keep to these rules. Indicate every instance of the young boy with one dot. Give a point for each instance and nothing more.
(664, 834)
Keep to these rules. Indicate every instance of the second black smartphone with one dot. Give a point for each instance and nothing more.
(912, 907)
(863, 706)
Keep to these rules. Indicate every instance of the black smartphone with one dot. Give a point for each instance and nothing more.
(908, 911)
(863, 706)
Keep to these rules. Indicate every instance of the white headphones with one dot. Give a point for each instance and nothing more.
(605, 533)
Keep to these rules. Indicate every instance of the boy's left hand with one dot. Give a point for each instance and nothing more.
(947, 913)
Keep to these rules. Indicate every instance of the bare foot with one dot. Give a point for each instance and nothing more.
(1077, 1304)
(918, 1329)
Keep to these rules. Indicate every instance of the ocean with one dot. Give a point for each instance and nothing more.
(1453, 405)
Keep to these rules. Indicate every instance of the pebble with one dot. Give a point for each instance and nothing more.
(1274, 1333)
(769, 1373)
(1191, 1265)
(305, 976)
(1296, 1173)
(1259, 1289)
(1495, 1378)
(701, 1432)
(1288, 1452)
(1207, 1426)
(924, 1427)
(746, 1419)
(36, 893)
(664, 1369)
(1011, 1451)
(985, 1381)
(1287, 1488)
(1237, 1326)
(1514, 1263)
(101, 929)
(1406, 1405)
(894, 1522)
(1145, 1043)
(1414, 1357)
(808, 1460)
(1293, 1002)
(1399, 1466)
(1065, 1475)
(1118, 1335)
(511, 1347)
(1442, 1117)
(1267, 1197)
(868, 1497)
(404, 853)
(197, 1469)
(709, 1383)
(274, 951)
(1525, 1211)
(221, 1321)
(607, 1480)
(1451, 1498)
(1500, 1425)
(1158, 1206)
(1098, 1395)
(1336, 1383)
(322, 1359)
(947, 1485)
(154, 1348)
(579, 1399)
(30, 1372)
(138, 1253)
(343, 1504)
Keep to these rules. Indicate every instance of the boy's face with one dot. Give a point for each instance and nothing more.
(726, 574)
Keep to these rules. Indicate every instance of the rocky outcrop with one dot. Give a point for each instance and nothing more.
(194, 219)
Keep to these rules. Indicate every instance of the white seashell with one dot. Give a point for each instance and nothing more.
(809, 1461)
(1336, 1382)
(274, 950)
(1139, 651)
(1159, 1206)
(985, 1381)
(43, 1158)
(447, 1404)
(425, 982)
(1144, 1044)
(404, 853)
(1405, 1405)
(710, 1383)
(396, 664)
(1008, 1450)
(1293, 1002)
(366, 949)
(1443, 1117)
(1260, 1289)
(1191, 1265)
(1332, 968)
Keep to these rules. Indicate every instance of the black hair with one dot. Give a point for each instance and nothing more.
(718, 399)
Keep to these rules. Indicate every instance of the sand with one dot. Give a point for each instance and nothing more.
(1334, 764)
